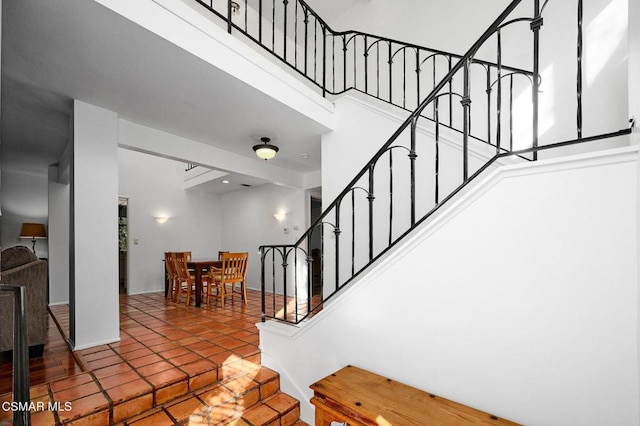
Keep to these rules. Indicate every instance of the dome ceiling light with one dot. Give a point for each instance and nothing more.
(265, 150)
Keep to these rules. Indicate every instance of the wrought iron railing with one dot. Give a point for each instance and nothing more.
(393, 71)
(409, 178)
(21, 399)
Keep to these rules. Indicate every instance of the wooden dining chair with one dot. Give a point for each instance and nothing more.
(185, 282)
(172, 277)
(220, 253)
(233, 272)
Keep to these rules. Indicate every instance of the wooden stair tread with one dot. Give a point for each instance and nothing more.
(354, 393)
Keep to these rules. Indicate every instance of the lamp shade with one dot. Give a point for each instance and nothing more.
(265, 150)
(33, 231)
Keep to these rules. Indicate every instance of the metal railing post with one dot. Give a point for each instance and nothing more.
(263, 285)
(536, 23)
(466, 107)
(20, 354)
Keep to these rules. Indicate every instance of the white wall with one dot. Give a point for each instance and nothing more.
(248, 222)
(58, 233)
(529, 312)
(93, 258)
(154, 187)
(24, 199)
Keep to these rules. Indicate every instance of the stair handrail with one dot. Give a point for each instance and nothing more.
(464, 63)
(285, 250)
(414, 115)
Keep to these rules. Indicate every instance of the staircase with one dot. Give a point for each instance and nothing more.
(250, 398)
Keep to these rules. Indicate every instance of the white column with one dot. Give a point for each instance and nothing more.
(93, 257)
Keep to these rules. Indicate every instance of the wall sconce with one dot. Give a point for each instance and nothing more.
(235, 8)
(280, 216)
(161, 219)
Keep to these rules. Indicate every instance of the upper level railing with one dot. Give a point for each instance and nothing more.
(413, 173)
(393, 71)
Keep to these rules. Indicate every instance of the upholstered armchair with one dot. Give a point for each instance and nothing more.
(20, 266)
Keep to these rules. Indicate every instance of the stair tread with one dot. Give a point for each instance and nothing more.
(251, 398)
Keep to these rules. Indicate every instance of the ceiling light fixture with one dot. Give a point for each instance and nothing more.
(225, 181)
(265, 150)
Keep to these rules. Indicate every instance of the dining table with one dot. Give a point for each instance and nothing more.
(200, 266)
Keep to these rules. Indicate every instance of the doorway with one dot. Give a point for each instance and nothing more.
(315, 248)
(122, 243)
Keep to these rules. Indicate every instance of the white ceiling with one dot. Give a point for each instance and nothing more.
(57, 51)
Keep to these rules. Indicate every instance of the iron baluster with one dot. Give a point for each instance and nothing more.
(295, 283)
(285, 4)
(295, 37)
(404, 78)
(433, 75)
(437, 149)
(260, 21)
(579, 72)
(322, 257)
(273, 26)
(511, 112)
(417, 76)
(284, 254)
(309, 260)
(229, 13)
(535, 27)
(333, 63)
(378, 69)
(499, 99)
(324, 61)
(450, 95)
(336, 233)
(366, 65)
(315, 50)
(489, 107)
(353, 232)
(344, 62)
(412, 161)
(370, 198)
(263, 285)
(355, 61)
(273, 280)
(390, 196)
(390, 74)
(306, 42)
(466, 103)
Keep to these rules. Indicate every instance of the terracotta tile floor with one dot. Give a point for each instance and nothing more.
(57, 361)
(173, 364)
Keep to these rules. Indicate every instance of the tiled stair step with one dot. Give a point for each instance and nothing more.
(253, 399)
(277, 410)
